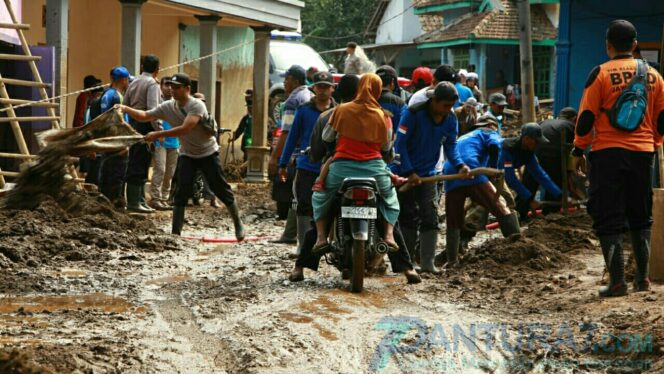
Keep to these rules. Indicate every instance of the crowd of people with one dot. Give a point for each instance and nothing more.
(366, 125)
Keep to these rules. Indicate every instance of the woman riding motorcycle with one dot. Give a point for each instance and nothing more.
(362, 131)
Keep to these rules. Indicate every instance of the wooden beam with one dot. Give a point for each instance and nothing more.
(24, 83)
(13, 57)
(16, 26)
(34, 103)
(28, 119)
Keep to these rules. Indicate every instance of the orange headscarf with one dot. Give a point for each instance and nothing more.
(363, 119)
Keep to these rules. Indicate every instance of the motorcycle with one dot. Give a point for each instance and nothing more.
(356, 245)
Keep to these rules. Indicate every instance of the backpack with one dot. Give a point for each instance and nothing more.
(630, 107)
(95, 106)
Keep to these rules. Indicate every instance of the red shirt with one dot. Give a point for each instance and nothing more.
(81, 107)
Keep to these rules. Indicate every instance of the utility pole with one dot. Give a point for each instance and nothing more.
(526, 52)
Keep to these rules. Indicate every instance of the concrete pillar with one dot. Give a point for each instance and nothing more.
(563, 47)
(57, 30)
(131, 35)
(181, 55)
(481, 70)
(207, 72)
(259, 151)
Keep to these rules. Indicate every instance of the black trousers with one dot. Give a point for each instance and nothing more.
(620, 190)
(92, 168)
(304, 182)
(213, 173)
(112, 175)
(419, 206)
(140, 157)
(400, 260)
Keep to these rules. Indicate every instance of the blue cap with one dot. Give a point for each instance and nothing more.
(297, 72)
(119, 72)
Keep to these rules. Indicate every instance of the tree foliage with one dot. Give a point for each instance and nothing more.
(330, 24)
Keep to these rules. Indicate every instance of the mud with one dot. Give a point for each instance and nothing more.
(132, 307)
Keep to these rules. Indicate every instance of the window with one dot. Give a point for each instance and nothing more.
(461, 58)
(542, 71)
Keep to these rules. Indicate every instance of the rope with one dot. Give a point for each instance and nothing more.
(108, 84)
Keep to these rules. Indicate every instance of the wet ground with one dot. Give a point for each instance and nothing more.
(100, 291)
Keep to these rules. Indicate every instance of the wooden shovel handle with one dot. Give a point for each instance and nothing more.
(491, 172)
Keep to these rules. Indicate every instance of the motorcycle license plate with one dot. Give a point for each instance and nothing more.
(358, 212)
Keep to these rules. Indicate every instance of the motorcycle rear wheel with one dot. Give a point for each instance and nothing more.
(357, 274)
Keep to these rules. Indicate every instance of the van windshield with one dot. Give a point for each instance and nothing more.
(286, 54)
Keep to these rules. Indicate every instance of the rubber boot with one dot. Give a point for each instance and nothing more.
(133, 199)
(141, 199)
(178, 220)
(428, 245)
(289, 236)
(237, 222)
(509, 225)
(453, 239)
(641, 247)
(613, 256)
(303, 225)
(410, 237)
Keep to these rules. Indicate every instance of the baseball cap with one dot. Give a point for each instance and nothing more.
(534, 131)
(621, 31)
(463, 73)
(386, 70)
(498, 99)
(445, 73)
(444, 91)
(472, 101)
(90, 81)
(486, 119)
(568, 112)
(323, 78)
(423, 73)
(473, 76)
(180, 79)
(297, 72)
(119, 72)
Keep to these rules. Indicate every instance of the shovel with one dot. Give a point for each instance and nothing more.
(490, 172)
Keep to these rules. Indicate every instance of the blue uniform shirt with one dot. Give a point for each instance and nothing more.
(299, 137)
(169, 143)
(474, 149)
(419, 140)
(464, 93)
(394, 105)
(109, 99)
(512, 157)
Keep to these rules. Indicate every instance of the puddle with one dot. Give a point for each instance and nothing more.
(325, 333)
(37, 304)
(178, 278)
(297, 318)
(216, 250)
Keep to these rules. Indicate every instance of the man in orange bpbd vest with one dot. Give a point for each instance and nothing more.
(621, 156)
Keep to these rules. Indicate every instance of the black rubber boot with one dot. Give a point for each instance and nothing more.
(613, 256)
(141, 199)
(428, 246)
(410, 237)
(641, 247)
(237, 222)
(133, 199)
(453, 239)
(509, 225)
(178, 220)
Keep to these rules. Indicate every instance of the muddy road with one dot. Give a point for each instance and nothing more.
(97, 291)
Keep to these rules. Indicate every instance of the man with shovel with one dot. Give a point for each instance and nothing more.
(479, 148)
(424, 128)
(199, 149)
